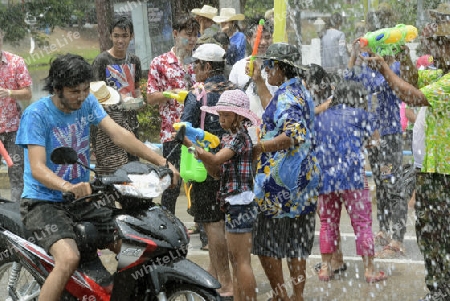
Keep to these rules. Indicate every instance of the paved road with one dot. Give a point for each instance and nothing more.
(405, 281)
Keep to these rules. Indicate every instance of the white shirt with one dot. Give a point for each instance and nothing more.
(238, 77)
(418, 142)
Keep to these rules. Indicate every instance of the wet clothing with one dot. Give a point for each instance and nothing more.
(205, 206)
(37, 216)
(167, 73)
(386, 159)
(433, 230)
(236, 174)
(433, 190)
(340, 134)
(44, 124)
(284, 237)
(437, 140)
(243, 81)
(358, 204)
(13, 76)
(334, 50)
(236, 50)
(286, 181)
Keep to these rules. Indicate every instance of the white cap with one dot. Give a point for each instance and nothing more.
(207, 52)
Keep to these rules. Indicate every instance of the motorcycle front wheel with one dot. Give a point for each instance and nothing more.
(16, 283)
(189, 292)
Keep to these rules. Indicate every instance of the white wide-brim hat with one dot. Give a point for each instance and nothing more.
(106, 95)
(206, 11)
(228, 14)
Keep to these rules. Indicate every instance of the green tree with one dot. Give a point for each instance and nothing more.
(12, 22)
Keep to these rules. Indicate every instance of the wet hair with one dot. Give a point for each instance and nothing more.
(68, 70)
(252, 25)
(335, 20)
(290, 71)
(122, 22)
(351, 93)
(187, 23)
(216, 67)
(221, 38)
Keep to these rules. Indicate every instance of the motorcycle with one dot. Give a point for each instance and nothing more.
(152, 263)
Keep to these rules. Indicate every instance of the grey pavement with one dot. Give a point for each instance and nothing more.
(406, 274)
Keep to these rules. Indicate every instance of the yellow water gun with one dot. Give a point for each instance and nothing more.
(180, 96)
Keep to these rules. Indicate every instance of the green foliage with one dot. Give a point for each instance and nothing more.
(50, 13)
(149, 121)
(12, 23)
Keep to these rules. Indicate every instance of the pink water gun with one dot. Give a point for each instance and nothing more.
(5, 155)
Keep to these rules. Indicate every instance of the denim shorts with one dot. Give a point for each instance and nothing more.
(240, 218)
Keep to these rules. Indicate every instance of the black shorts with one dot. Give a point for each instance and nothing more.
(284, 237)
(205, 207)
(52, 221)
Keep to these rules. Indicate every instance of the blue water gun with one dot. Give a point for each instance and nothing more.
(200, 137)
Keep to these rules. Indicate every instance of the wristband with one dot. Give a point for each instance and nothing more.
(9, 93)
(263, 147)
(62, 185)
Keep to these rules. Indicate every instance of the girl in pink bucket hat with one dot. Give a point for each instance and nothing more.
(233, 164)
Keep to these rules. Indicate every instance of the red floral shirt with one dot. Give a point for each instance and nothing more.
(166, 73)
(13, 76)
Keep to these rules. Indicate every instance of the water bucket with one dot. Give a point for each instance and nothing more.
(191, 169)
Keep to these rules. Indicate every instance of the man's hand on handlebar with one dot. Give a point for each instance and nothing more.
(176, 176)
(79, 190)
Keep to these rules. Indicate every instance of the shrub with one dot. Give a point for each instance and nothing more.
(149, 121)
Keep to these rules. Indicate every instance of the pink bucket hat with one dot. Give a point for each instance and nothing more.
(235, 101)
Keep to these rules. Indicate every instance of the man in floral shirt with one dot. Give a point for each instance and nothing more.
(433, 182)
(168, 72)
(15, 84)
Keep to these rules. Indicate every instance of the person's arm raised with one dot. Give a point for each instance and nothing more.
(405, 91)
(126, 140)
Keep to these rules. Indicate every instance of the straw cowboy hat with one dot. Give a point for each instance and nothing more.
(106, 95)
(235, 101)
(228, 14)
(206, 11)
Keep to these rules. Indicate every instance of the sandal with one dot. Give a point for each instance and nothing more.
(325, 278)
(193, 230)
(390, 252)
(341, 269)
(382, 239)
(204, 248)
(379, 277)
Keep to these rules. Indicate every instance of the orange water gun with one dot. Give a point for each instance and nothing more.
(259, 31)
(5, 155)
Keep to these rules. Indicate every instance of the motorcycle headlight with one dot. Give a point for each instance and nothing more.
(144, 185)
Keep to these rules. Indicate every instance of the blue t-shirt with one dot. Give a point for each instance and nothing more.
(340, 134)
(388, 109)
(44, 124)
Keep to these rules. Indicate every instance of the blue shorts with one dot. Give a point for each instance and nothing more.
(240, 218)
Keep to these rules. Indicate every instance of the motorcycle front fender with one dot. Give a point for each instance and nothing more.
(182, 270)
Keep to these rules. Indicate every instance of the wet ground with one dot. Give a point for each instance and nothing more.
(406, 274)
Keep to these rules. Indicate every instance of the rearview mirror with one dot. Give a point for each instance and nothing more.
(64, 155)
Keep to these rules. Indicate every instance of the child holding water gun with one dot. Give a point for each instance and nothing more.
(233, 165)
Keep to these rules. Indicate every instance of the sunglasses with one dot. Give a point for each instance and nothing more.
(269, 64)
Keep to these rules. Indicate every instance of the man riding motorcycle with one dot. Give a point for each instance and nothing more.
(63, 119)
